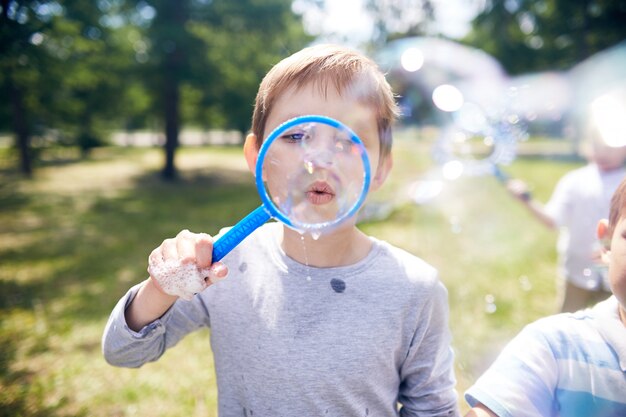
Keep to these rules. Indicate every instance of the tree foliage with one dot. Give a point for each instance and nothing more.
(62, 70)
(213, 54)
(537, 35)
(25, 68)
(74, 70)
(400, 18)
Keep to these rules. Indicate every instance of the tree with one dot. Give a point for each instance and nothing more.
(215, 51)
(400, 18)
(61, 70)
(22, 28)
(78, 67)
(538, 35)
(382, 20)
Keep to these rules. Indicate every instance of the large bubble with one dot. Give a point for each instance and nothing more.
(441, 70)
(462, 90)
(314, 174)
(482, 114)
(591, 94)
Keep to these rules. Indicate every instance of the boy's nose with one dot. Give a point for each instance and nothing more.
(319, 158)
(321, 148)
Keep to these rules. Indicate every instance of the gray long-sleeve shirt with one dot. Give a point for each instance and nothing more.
(294, 340)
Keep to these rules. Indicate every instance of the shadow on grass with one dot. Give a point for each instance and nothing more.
(16, 397)
(88, 249)
(11, 197)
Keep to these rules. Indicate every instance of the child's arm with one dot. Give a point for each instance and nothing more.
(149, 304)
(148, 320)
(427, 387)
(522, 381)
(179, 267)
(520, 190)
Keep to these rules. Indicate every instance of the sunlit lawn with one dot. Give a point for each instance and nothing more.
(75, 238)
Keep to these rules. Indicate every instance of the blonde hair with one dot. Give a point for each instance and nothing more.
(344, 69)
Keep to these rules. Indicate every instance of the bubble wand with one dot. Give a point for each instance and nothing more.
(312, 174)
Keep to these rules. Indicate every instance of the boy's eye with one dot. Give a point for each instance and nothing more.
(293, 137)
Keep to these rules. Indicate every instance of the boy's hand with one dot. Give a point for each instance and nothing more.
(519, 189)
(182, 266)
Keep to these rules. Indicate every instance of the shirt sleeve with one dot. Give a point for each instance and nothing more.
(121, 346)
(427, 374)
(521, 381)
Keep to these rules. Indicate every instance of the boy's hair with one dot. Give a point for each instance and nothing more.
(346, 70)
(618, 204)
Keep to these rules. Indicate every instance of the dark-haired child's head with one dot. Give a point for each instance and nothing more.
(613, 231)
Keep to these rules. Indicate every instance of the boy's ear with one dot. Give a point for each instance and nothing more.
(382, 171)
(602, 232)
(251, 152)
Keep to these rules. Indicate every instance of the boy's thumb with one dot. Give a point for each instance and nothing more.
(217, 272)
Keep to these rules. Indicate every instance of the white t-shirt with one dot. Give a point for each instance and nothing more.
(580, 199)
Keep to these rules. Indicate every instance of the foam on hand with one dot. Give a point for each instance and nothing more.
(180, 279)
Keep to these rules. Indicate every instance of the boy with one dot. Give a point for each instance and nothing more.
(342, 325)
(579, 200)
(567, 365)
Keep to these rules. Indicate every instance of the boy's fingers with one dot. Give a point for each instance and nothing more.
(168, 249)
(185, 246)
(155, 256)
(204, 250)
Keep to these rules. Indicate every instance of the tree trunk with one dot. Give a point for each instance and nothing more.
(172, 71)
(20, 128)
(171, 103)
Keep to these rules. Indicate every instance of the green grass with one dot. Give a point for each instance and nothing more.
(77, 236)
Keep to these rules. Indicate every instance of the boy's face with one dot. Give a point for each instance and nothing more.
(606, 157)
(617, 261)
(335, 171)
(310, 100)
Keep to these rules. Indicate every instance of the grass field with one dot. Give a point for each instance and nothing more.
(76, 237)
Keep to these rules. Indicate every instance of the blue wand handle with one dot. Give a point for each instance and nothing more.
(504, 178)
(500, 175)
(239, 232)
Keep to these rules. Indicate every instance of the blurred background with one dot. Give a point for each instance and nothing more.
(121, 124)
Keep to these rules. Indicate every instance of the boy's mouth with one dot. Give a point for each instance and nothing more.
(320, 192)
